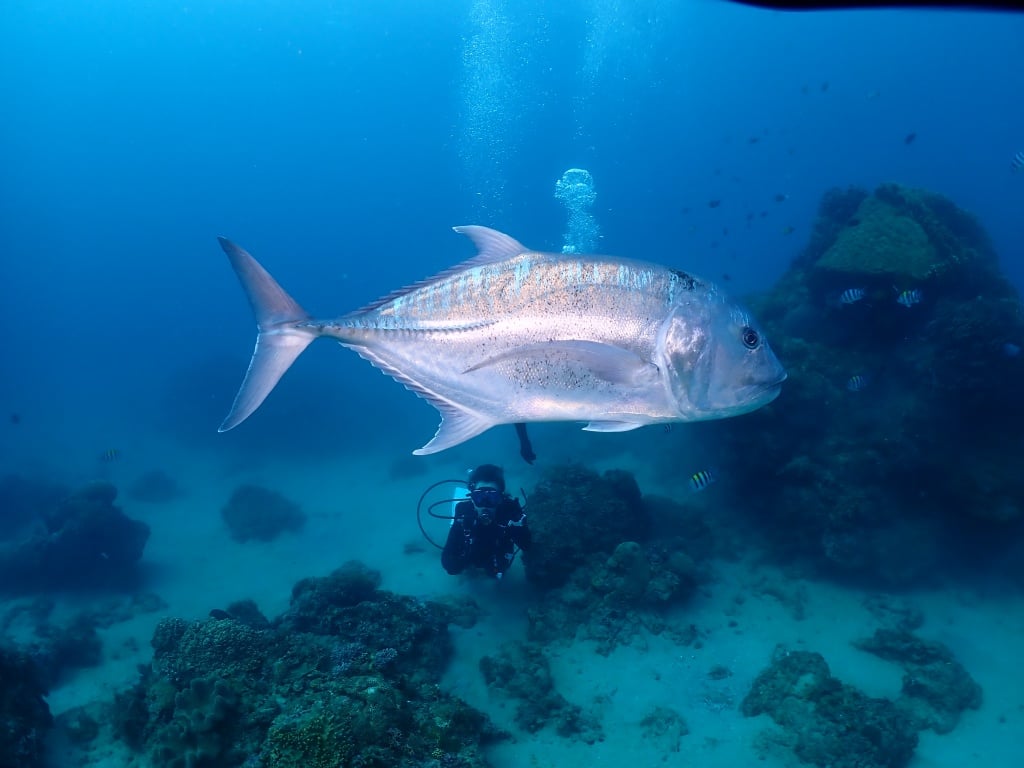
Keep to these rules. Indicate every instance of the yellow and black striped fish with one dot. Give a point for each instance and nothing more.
(701, 480)
(110, 455)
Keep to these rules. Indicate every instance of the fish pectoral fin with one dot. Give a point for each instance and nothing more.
(457, 426)
(611, 426)
(608, 362)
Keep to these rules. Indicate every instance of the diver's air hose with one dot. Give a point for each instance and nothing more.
(430, 509)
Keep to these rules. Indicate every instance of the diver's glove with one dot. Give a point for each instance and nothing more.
(525, 449)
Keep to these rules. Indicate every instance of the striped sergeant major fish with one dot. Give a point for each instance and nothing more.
(910, 298)
(515, 336)
(1017, 163)
(701, 480)
(852, 295)
(857, 382)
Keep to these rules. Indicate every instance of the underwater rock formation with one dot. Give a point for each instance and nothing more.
(23, 501)
(83, 541)
(521, 670)
(154, 487)
(358, 686)
(936, 687)
(258, 513)
(895, 439)
(826, 722)
(610, 600)
(605, 576)
(575, 513)
(665, 727)
(24, 715)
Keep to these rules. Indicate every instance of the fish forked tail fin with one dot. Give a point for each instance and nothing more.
(278, 341)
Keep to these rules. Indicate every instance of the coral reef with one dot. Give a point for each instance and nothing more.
(355, 686)
(936, 687)
(154, 487)
(83, 541)
(610, 600)
(879, 242)
(604, 574)
(828, 723)
(665, 727)
(825, 721)
(574, 513)
(58, 648)
(880, 481)
(24, 715)
(258, 513)
(23, 500)
(521, 670)
(347, 603)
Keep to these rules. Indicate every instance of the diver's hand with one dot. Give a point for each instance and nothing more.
(525, 449)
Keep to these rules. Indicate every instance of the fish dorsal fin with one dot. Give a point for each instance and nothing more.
(492, 246)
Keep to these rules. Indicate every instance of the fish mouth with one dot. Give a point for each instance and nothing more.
(764, 392)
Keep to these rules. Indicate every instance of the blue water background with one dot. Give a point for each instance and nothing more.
(339, 141)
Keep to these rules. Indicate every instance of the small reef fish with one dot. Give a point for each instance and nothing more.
(857, 382)
(514, 335)
(852, 295)
(1017, 163)
(910, 298)
(909, 138)
(109, 455)
(701, 480)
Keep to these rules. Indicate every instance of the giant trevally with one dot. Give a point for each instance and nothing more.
(515, 335)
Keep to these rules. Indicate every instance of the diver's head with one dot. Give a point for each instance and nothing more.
(486, 490)
(489, 474)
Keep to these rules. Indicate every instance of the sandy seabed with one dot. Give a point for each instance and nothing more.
(359, 510)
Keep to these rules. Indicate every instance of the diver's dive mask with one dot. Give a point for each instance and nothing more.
(488, 499)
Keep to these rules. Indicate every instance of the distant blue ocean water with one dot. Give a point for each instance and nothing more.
(339, 142)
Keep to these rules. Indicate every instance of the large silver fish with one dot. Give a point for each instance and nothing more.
(514, 335)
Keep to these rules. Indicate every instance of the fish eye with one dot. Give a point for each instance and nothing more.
(751, 339)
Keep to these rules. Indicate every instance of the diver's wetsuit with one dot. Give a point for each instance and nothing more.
(492, 546)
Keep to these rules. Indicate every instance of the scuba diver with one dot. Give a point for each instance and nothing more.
(487, 528)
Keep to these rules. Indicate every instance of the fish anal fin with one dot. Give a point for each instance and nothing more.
(611, 426)
(457, 426)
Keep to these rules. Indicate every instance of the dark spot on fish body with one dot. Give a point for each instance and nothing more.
(686, 282)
